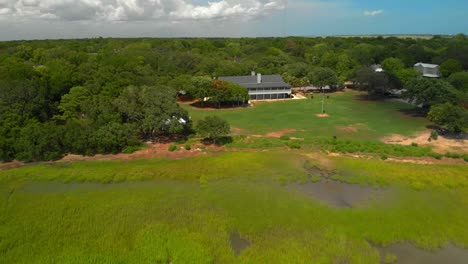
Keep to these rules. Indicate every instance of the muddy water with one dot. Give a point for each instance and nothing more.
(238, 244)
(339, 194)
(409, 254)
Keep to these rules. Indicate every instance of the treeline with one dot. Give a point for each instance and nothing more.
(103, 95)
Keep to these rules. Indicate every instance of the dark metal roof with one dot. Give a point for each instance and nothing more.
(250, 81)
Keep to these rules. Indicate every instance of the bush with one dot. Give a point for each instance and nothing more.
(187, 147)
(465, 158)
(284, 137)
(436, 155)
(383, 157)
(293, 144)
(434, 135)
(132, 149)
(452, 155)
(414, 144)
(172, 147)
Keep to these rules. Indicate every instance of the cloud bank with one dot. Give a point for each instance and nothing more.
(373, 12)
(134, 10)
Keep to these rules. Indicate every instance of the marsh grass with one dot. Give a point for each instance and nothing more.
(183, 211)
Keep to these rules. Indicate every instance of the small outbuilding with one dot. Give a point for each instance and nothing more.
(428, 70)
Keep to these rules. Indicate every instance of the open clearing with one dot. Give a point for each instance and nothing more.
(370, 119)
(235, 207)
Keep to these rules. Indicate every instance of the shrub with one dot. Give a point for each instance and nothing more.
(436, 155)
(383, 157)
(172, 147)
(452, 155)
(131, 149)
(187, 147)
(465, 158)
(414, 144)
(293, 144)
(284, 137)
(434, 135)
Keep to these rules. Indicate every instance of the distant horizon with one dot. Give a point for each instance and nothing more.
(64, 19)
(413, 36)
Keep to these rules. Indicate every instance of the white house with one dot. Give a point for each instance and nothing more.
(262, 87)
(428, 70)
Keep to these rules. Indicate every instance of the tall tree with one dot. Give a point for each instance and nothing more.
(427, 92)
(213, 127)
(154, 110)
(455, 118)
(450, 67)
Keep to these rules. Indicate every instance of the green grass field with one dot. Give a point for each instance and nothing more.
(183, 211)
(371, 119)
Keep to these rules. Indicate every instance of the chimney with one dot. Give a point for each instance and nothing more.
(259, 78)
(253, 73)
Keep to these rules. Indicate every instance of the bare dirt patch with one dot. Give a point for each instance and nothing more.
(277, 134)
(153, 151)
(280, 133)
(354, 128)
(414, 160)
(10, 165)
(441, 145)
(322, 115)
(236, 131)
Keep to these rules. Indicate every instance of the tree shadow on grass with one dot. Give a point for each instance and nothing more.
(445, 133)
(369, 97)
(414, 112)
(226, 105)
(221, 141)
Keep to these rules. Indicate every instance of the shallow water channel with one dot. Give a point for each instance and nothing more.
(238, 244)
(406, 253)
(339, 194)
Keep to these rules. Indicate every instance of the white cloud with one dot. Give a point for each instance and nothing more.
(373, 12)
(135, 10)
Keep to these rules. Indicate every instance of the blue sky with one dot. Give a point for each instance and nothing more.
(383, 17)
(39, 19)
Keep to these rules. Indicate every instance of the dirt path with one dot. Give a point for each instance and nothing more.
(153, 151)
(414, 160)
(441, 145)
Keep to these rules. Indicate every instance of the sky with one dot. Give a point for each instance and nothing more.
(51, 19)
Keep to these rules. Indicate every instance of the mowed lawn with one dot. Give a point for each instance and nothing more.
(350, 117)
(184, 211)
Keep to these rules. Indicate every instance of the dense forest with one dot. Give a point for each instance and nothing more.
(105, 95)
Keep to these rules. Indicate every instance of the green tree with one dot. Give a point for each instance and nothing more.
(455, 118)
(213, 127)
(154, 110)
(201, 87)
(375, 83)
(71, 104)
(427, 92)
(459, 80)
(396, 67)
(322, 77)
(450, 67)
(38, 141)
